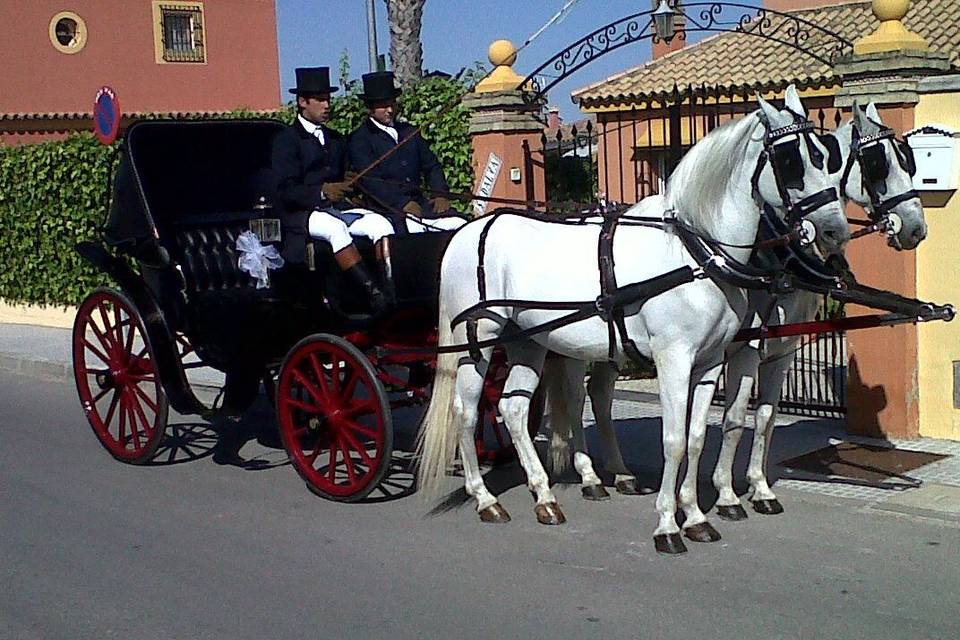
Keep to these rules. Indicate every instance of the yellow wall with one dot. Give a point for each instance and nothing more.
(938, 280)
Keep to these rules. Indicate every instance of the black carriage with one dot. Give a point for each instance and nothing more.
(183, 192)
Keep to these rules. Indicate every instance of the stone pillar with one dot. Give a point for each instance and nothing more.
(502, 119)
(885, 68)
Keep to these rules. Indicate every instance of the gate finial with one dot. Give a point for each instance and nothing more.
(891, 35)
(503, 55)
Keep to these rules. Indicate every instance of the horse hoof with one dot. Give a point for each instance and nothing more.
(669, 543)
(594, 492)
(703, 532)
(549, 513)
(734, 512)
(495, 514)
(631, 487)
(768, 507)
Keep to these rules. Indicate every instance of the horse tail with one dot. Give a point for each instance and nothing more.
(555, 382)
(437, 440)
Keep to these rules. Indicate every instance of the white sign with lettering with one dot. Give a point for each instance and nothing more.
(487, 182)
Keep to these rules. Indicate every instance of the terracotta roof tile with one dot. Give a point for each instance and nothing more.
(733, 61)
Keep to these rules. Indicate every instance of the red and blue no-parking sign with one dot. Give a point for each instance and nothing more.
(106, 115)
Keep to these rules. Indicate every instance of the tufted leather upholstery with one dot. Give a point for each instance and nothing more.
(208, 257)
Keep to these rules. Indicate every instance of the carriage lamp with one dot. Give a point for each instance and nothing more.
(663, 21)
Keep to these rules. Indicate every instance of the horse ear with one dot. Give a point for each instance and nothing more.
(873, 114)
(792, 101)
(859, 119)
(768, 112)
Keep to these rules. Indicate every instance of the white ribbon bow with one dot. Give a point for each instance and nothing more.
(257, 259)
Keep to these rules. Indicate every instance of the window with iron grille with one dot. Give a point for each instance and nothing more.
(182, 33)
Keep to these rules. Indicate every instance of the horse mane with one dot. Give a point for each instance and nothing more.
(697, 188)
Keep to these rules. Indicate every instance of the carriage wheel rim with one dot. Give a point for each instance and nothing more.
(337, 442)
(116, 377)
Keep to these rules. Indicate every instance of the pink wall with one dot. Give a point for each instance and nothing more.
(242, 67)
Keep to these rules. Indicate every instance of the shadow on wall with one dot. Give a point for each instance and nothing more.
(863, 416)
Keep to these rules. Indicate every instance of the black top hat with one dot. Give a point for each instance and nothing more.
(378, 87)
(313, 81)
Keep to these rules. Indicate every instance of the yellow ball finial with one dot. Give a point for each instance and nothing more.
(502, 53)
(891, 35)
(890, 9)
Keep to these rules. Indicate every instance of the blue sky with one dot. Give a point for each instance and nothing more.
(455, 34)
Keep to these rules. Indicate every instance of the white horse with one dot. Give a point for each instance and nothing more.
(718, 190)
(746, 361)
(890, 184)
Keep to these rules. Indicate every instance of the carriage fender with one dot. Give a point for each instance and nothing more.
(169, 368)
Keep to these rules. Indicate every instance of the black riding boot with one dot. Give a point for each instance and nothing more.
(357, 276)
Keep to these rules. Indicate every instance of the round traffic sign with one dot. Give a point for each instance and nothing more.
(106, 115)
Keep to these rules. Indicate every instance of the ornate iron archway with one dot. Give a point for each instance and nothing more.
(790, 30)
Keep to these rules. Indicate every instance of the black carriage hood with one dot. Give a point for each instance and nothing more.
(171, 169)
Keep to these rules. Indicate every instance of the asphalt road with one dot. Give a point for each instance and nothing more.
(224, 541)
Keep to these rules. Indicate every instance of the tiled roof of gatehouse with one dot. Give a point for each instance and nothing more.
(733, 61)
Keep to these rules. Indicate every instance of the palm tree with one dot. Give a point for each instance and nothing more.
(406, 51)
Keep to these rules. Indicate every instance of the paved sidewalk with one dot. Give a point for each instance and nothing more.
(46, 352)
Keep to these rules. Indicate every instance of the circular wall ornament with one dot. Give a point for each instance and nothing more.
(68, 32)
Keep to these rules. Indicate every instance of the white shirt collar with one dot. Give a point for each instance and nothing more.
(315, 130)
(390, 131)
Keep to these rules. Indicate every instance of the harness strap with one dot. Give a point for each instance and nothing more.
(482, 254)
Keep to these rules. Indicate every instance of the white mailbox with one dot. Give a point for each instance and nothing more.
(936, 149)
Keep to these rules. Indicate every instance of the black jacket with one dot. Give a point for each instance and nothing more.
(406, 169)
(301, 166)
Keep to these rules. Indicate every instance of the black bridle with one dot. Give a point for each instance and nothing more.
(789, 169)
(870, 154)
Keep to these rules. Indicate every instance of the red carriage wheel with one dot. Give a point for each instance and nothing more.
(116, 376)
(334, 418)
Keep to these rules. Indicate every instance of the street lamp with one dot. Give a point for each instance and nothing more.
(663, 22)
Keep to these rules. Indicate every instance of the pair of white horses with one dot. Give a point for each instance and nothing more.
(718, 190)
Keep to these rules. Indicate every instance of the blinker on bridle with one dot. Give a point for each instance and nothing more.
(788, 171)
(869, 152)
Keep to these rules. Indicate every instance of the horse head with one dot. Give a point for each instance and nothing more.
(793, 176)
(878, 175)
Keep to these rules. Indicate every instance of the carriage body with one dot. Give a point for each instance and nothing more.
(183, 192)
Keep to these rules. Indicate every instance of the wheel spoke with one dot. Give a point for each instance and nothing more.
(89, 345)
(321, 378)
(303, 406)
(302, 379)
(335, 375)
(107, 345)
(351, 386)
(113, 407)
(131, 332)
(358, 409)
(123, 419)
(146, 398)
(332, 468)
(100, 395)
(102, 308)
(117, 325)
(359, 428)
(134, 431)
(351, 472)
(358, 447)
(143, 416)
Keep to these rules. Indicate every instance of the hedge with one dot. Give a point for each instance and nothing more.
(53, 194)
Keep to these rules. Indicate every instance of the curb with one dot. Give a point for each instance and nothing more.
(35, 367)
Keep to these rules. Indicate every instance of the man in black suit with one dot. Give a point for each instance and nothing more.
(395, 184)
(309, 162)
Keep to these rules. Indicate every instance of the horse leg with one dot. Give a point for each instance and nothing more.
(470, 376)
(771, 377)
(741, 371)
(673, 367)
(603, 378)
(695, 525)
(526, 361)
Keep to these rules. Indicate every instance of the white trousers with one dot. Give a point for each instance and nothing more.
(337, 227)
